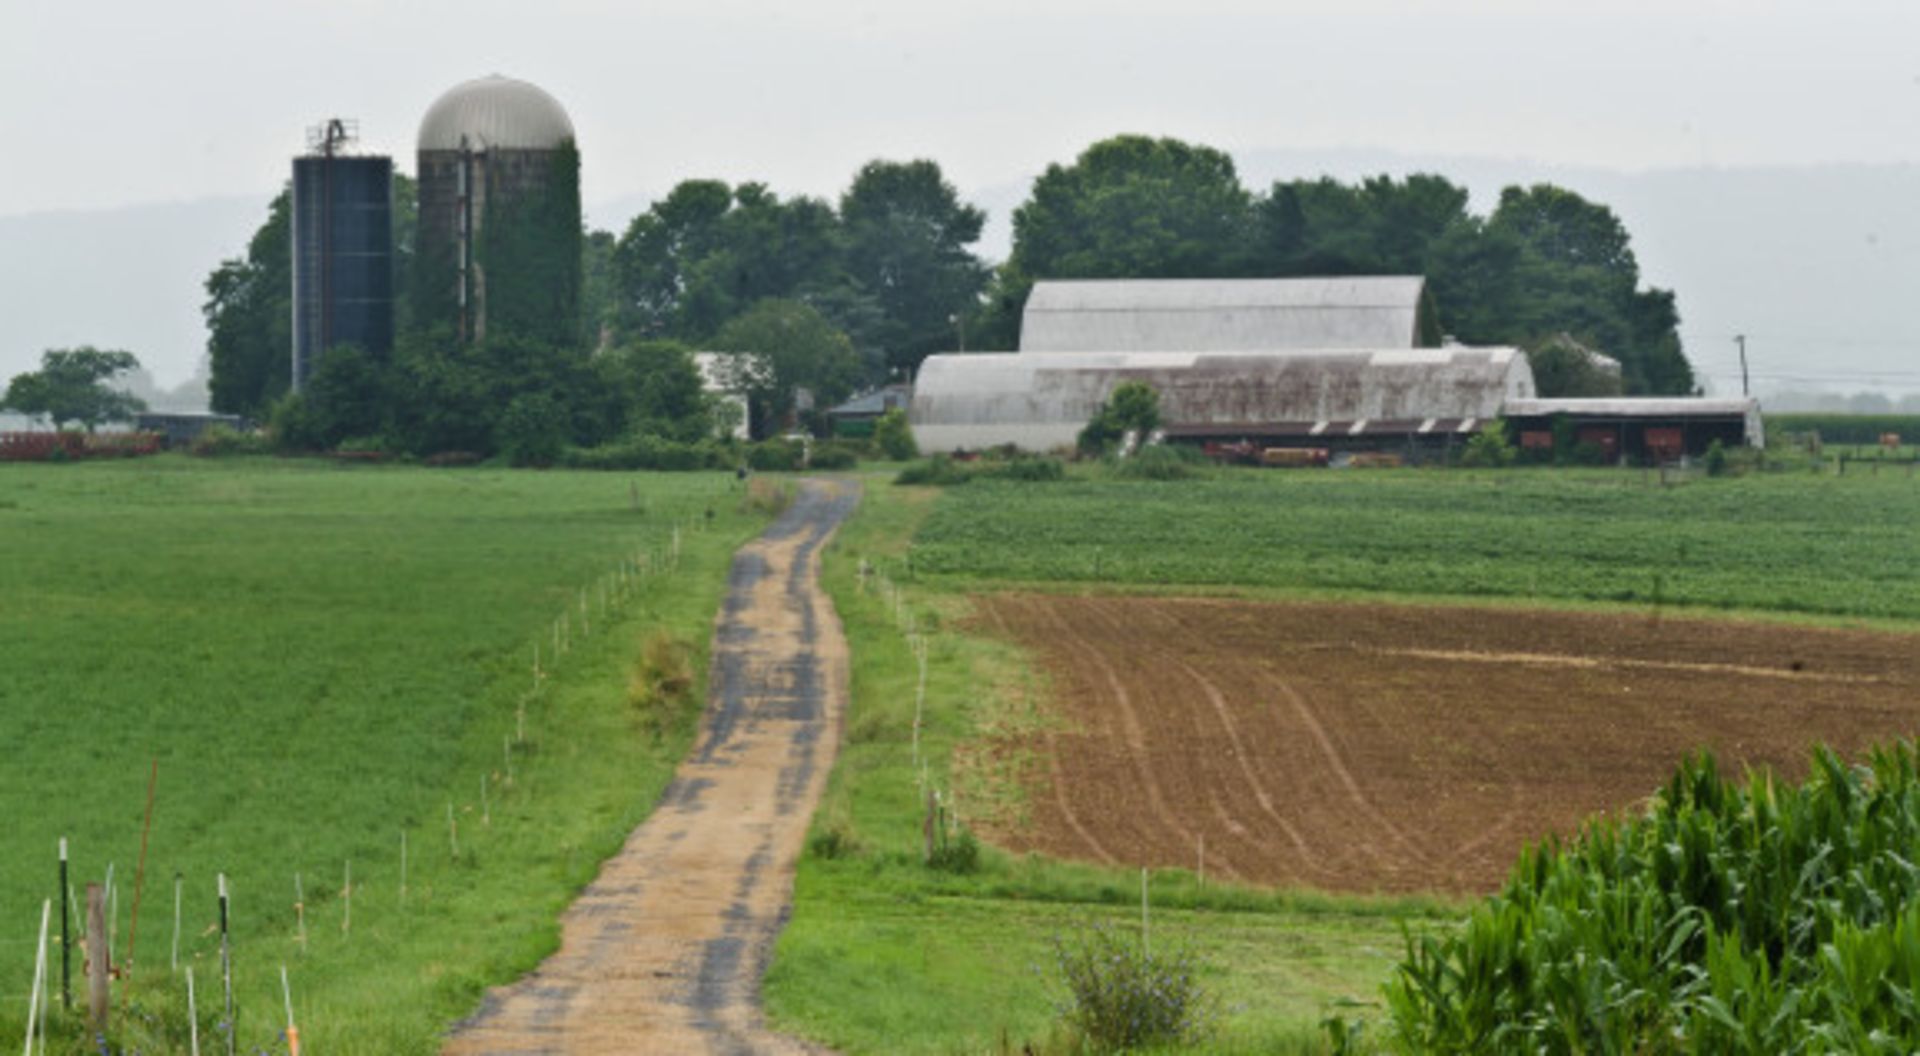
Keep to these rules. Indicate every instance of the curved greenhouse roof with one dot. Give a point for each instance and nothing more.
(1222, 315)
(495, 112)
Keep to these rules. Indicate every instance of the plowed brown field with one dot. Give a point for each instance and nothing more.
(1402, 748)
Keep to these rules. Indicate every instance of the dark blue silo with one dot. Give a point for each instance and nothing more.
(342, 257)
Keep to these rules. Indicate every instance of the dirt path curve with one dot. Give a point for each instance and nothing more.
(664, 952)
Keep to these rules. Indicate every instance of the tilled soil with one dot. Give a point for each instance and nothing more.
(1376, 748)
(664, 952)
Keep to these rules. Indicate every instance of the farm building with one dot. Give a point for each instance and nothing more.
(1343, 363)
(1039, 401)
(1640, 428)
(857, 416)
(1228, 315)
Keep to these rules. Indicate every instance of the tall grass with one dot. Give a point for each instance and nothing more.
(1732, 917)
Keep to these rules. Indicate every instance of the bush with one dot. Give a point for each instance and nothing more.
(1716, 459)
(939, 471)
(894, 437)
(774, 456)
(222, 441)
(1753, 917)
(1032, 470)
(647, 452)
(959, 855)
(532, 431)
(1489, 448)
(1121, 997)
(834, 454)
(1155, 462)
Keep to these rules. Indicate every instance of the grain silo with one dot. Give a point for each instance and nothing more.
(342, 250)
(499, 224)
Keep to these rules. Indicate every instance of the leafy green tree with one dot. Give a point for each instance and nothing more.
(781, 347)
(907, 233)
(893, 435)
(1133, 407)
(532, 431)
(450, 396)
(1128, 207)
(1563, 367)
(71, 386)
(652, 388)
(348, 397)
(1379, 226)
(249, 313)
(706, 252)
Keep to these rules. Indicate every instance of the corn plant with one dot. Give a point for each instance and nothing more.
(1732, 917)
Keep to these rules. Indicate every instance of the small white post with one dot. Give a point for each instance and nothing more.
(486, 812)
(39, 975)
(300, 911)
(403, 868)
(174, 962)
(193, 1017)
(453, 831)
(293, 1032)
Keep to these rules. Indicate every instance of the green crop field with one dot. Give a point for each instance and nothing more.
(884, 954)
(323, 660)
(1803, 543)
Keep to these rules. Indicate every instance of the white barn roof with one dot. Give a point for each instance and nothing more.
(1222, 315)
(1038, 401)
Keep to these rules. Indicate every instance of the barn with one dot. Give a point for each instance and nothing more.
(1348, 363)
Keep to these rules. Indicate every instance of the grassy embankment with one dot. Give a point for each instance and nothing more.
(321, 660)
(885, 955)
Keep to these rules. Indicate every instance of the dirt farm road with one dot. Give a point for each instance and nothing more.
(664, 951)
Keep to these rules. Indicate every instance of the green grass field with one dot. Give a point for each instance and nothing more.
(1787, 543)
(322, 659)
(886, 955)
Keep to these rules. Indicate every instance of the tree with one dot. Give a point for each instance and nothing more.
(70, 386)
(907, 234)
(1563, 367)
(249, 313)
(782, 346)
(893, 435)
(706, 252)
(1128, 207)
(652, 388)
(1133, 407)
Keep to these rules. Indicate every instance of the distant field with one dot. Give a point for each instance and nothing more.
(322, 659)
(1791, 543)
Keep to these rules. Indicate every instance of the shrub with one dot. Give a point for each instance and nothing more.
(532, 431)
(1155, 462)
(647, 452)
(834, 454)
(956, 854)
(939, 471)
(894, 437)
(1032, 470)
(1489, 448)
(774, 456)
(1753, 916)
(222, 441)
(1121, 997)
(1716, 459)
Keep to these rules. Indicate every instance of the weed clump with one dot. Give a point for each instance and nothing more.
(662, 682)
(1121, 996)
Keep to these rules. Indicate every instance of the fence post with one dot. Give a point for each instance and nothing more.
(96, 957)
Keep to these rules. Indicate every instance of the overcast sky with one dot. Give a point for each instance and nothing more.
(115, 103)
(105, 105)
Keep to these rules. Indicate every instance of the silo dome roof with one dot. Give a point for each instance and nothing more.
(495, 111)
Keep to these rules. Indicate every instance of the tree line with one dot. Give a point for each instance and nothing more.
(828, 297)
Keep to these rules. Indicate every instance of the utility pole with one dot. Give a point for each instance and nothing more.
(1741, 340)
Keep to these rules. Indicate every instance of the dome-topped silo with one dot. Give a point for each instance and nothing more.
(499, 222)
(495, 112)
